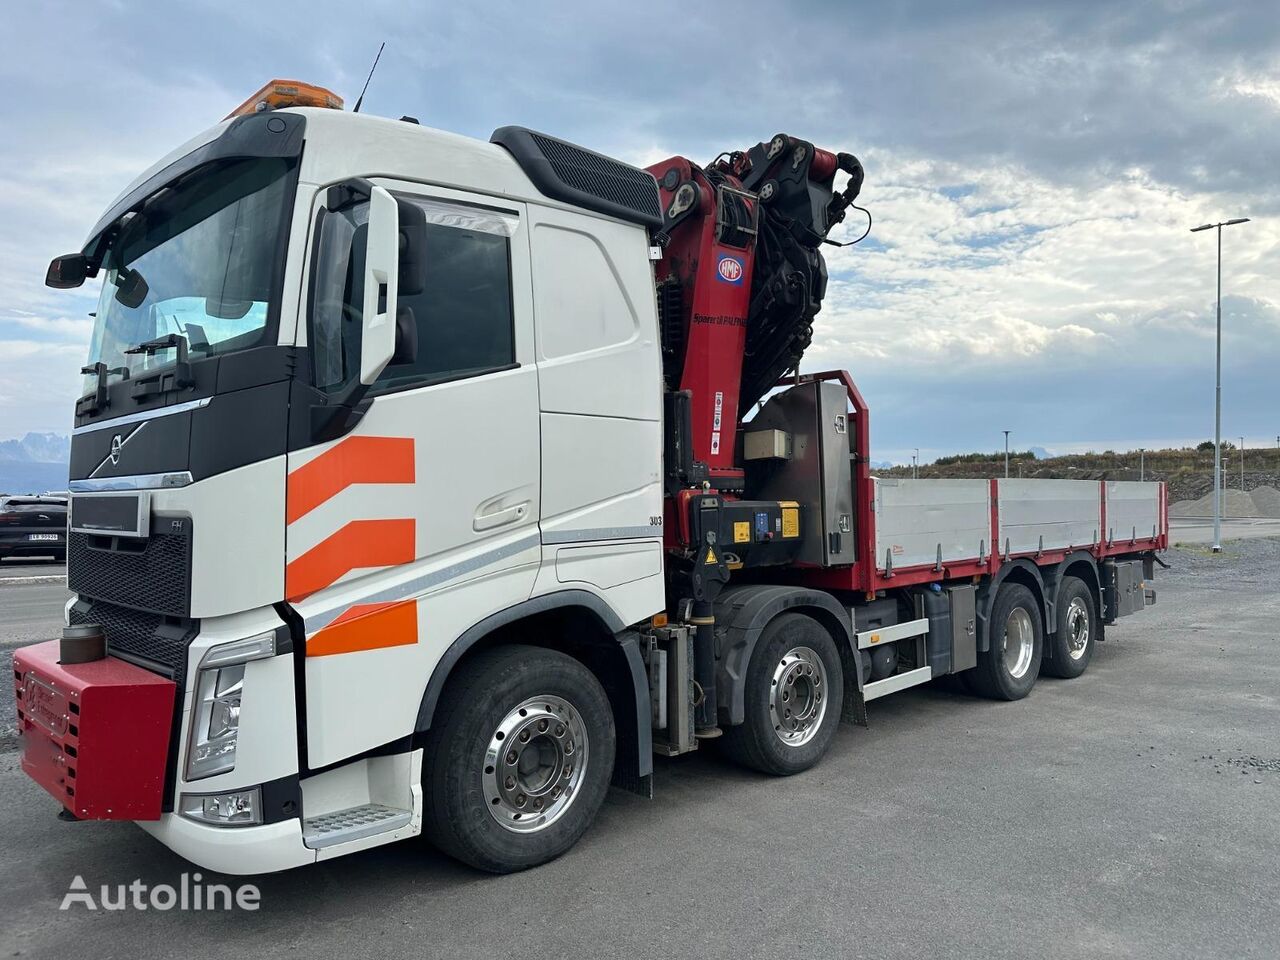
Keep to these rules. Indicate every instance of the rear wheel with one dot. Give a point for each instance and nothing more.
(1072, 644)
(518, 759)
(793, 697)
(1007, 669)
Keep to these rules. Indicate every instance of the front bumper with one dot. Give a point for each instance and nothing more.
(95, 735)
(235, 850)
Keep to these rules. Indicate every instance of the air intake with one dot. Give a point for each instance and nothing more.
(584, 178)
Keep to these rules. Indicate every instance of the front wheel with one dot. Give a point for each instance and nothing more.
(793, 697)
(518, 759)
(1072, 644)
(1007, 669)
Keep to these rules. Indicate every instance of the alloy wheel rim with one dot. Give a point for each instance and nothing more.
(798, 696)
(1019, 643)
(1077, 629)
(534, 764)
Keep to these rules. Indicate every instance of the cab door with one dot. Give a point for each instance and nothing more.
(422, 518)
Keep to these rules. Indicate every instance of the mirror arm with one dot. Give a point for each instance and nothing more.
(347, 194)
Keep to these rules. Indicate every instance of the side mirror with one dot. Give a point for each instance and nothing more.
(413, 249)
(406, 337)
(381, 275)
(131, 287)
(67, 272)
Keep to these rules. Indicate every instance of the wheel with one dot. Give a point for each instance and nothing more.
(1072, 644)
(1007, 670)
(793, 697)
(518, 758)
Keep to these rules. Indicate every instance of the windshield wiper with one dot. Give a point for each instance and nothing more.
(91, 403)
(170, 341)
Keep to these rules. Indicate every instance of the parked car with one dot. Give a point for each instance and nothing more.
(33, 526)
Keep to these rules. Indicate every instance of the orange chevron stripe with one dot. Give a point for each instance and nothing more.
(354, 460)
(361, 543)
(368, 626)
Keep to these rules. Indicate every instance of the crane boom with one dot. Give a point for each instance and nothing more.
(739, 285)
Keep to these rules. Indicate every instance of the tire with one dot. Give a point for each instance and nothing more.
(1003, 671)
(795, 662)
(564, 760)
(1073, 642)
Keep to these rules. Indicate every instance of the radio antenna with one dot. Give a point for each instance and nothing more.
(360, 99)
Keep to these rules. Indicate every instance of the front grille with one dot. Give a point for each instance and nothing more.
(153, 574)
(151, 640)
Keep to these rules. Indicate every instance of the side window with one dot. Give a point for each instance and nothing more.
(455, 288)
(337, 295)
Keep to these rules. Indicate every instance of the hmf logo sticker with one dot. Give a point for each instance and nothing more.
(730, 269)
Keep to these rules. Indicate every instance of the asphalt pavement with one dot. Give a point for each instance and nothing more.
(1200, 530)
(1131, 813)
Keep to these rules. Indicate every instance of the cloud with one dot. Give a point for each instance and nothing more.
(1032, 170)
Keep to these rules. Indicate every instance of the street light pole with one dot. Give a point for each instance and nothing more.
(1242, 464)
(1217, 400)
(1142, 464)
(1006, 454)
(915, 459)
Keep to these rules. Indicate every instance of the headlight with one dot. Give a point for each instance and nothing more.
(215, 714)
(215, 722)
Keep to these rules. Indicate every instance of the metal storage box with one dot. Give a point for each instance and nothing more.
(818, 475)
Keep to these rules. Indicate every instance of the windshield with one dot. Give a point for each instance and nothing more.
(200, 260)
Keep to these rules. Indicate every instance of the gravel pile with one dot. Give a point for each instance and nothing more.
(1258, 502)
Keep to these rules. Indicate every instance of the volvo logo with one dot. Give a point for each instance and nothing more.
(116, 444)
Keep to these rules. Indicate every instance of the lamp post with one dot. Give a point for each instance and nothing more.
(1142, 464)
(1006, 454)
(915, 459)
(1217, 402)
(1242, 464)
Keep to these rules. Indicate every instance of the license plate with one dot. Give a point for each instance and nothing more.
(45, 705)
(43, 536)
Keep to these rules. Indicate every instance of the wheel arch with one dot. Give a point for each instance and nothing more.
(1020, 571)
(1082, 566)
(582, 625)
(741, 615)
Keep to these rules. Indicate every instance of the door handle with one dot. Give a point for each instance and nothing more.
(499, 518)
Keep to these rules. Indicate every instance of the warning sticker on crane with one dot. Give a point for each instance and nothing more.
(730, 270)
(715, 422)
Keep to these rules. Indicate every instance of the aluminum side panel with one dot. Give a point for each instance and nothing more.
(1133, 510)
(914, 518)
(1065, 513)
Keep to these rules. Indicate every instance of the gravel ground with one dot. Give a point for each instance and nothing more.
(1131, 813)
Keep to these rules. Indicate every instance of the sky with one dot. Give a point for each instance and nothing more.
(1033, 171)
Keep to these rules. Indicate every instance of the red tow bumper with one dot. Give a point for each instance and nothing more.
(95, 735)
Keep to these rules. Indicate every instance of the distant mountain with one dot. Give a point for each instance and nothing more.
(34, 463)
(37, 448)
(1040, 453)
